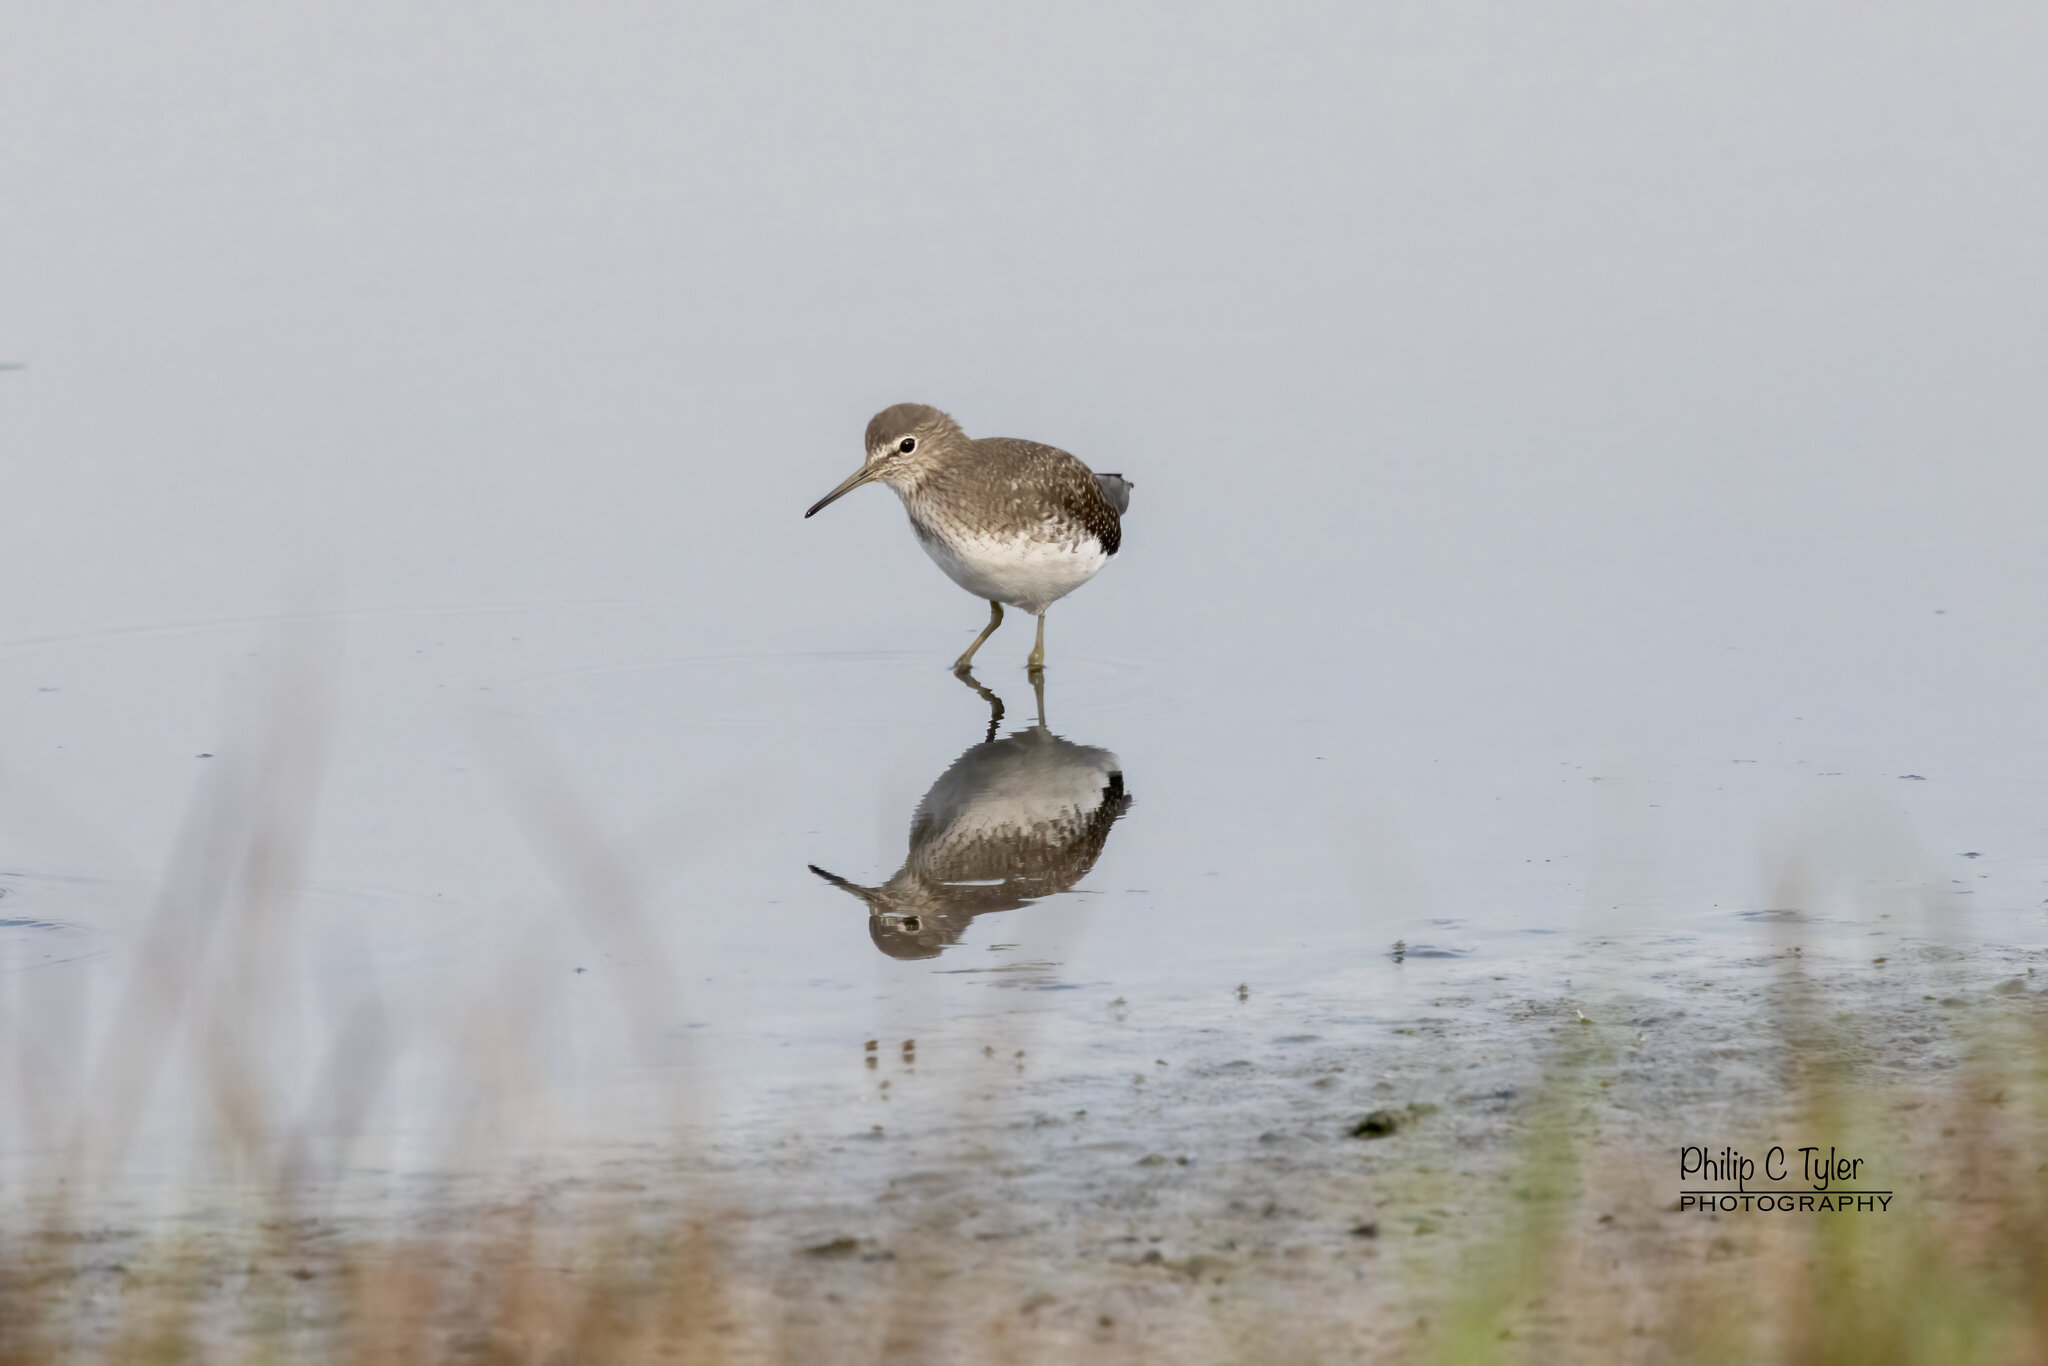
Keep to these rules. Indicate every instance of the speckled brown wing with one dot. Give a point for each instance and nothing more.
(1085, 501)
(1054, 472)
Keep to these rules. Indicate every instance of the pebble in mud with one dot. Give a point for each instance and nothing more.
(837, 1247)
(1378, 1124)
(1381, 1123)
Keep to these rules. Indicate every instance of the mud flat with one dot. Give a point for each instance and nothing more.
(1271, 1183)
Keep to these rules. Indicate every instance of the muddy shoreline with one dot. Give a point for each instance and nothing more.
(1173, 1187)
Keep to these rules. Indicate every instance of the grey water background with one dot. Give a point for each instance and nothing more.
(1587, 457)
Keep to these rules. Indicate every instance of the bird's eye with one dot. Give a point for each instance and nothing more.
(907, 444)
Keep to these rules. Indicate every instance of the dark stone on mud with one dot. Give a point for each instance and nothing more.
(1370, 1229)
(838, 1247)
(1378, 1124)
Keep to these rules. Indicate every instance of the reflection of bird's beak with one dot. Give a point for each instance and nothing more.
(852, 482)
(866, 894)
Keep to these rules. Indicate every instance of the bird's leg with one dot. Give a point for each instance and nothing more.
(1038, 690)
(995, 619)
(1037, 659)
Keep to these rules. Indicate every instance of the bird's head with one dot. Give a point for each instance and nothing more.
(902, 443)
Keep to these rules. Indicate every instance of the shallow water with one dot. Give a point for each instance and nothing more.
(688, 888)
(1585, 528)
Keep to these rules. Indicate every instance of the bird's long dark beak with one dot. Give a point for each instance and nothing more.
(852, 482)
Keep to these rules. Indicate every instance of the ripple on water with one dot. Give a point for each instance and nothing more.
(864, 688)
(1403, 951)
(49, 919)
(28, 942)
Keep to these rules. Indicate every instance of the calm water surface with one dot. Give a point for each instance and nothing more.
(1586, 526)
(692, 884)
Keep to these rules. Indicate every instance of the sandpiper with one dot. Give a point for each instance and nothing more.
(1010, 521)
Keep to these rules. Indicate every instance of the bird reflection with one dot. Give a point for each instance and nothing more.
(1010, 821)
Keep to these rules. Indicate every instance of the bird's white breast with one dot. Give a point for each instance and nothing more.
(1023, 571)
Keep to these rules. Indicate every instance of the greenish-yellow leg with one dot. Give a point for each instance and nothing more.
(1037, 659)
(995, 619)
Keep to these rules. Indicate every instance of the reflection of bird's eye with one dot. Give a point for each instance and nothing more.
(910, 923)
(907, 444)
